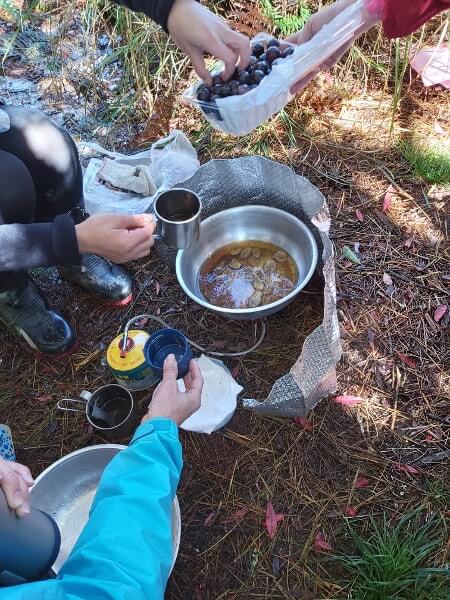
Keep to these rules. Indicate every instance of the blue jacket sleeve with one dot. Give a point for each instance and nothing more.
(125, 550)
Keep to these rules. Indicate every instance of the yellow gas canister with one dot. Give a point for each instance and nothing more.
(128, 364)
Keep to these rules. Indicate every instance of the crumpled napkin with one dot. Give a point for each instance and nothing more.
(219, 397)
(134, 177)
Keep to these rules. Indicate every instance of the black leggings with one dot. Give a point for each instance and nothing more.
(40, 174)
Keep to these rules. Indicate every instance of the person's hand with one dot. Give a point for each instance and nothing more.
(312, 26)
(117, 237)
(196, 30)
(15, 481)
(167, 399)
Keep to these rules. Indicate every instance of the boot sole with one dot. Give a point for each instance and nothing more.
(42, 355)
(103, 300)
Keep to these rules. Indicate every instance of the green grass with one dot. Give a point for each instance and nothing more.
(432, 163)
(396, 562)
(438, 492)
(286, 23)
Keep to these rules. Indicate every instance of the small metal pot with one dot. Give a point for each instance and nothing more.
(102, 410)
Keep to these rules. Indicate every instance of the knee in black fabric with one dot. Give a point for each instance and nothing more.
(17, 193)
(51, 157)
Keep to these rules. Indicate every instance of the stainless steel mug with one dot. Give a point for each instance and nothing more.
(110, 410)
(177, 214)
(28, 545)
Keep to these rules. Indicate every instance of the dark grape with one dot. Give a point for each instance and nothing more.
(234, 85)
(217, 79)
(243, 89)
(253, 61)
(263, 66)
(252, 87)
(272, 54)
(257, 50)
(226, 90)
(258, 76)
(262, 58)
(217, 89)
(273, 43)
(204, 94)
(243, 77)
(287, 52)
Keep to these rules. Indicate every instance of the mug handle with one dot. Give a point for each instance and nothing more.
(84, 398)
(156, 234)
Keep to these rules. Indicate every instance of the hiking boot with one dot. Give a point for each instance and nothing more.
(25, 311)
(102, 278)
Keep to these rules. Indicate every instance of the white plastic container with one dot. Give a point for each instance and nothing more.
(239, 115)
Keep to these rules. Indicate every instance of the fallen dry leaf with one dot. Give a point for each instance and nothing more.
(388, 199)
(351, 511)
(438, 128)
(348, 400)
(440, 312)
(359, 215)
(303, 423)
(407, 360)
(235, 371)
(157, 287)
(320, 543)
(210, 519)
(361, 482)
(348, 253)
(409, 242)
(236, 516)
(407, 469)
(387, 279)
(45, 397)
(272, 519)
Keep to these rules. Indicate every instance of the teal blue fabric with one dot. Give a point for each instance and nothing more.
(6, 444)
(125, 550)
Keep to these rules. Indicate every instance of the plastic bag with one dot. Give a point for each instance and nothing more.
(169, 161)
(239, 115)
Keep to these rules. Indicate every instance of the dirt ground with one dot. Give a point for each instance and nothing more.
(396, 358)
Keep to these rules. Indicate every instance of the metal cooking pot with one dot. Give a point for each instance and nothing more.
(261, 223)
(67, 488)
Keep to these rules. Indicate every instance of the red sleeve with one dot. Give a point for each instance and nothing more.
(402, 17)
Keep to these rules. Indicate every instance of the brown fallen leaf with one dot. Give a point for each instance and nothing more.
(440, 312)
(361, 482)
(387, 279)
(272, 519)
(45, 397)
(210, 519)
(157, 288)
(410, 362)
(348, 400)
(438, 128)
(351, 511)
(359, 215)
(303, 423)
(320, 543)
(236, 516)
(388, 199)
(407, 469)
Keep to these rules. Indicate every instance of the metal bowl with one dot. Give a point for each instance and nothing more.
(66, 489)
(261, 223)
